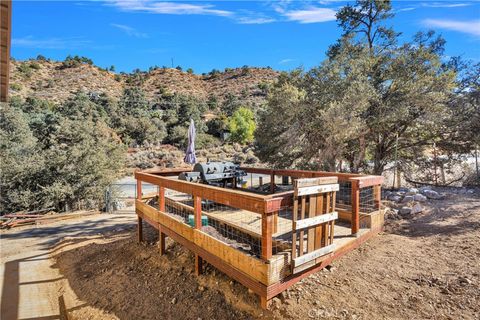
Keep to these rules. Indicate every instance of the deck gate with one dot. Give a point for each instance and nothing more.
(313, 221)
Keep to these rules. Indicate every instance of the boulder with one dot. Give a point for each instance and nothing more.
(424, 189)
(413, 190)
(417, 208)
(405, 211)
(419, 198)
(407, 199)
(431, 194)
(394, 198)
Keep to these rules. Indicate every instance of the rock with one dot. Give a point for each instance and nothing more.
(431, 194)
(405, 211)
(412, 191)
(174, 300)
(417, 208)
(419, 198)
(276, 303)
(423, 189)
(200, 288)
(394, 198)
(464, 280)
(407, 199)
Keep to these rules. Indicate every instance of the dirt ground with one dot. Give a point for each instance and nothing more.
(425, 267)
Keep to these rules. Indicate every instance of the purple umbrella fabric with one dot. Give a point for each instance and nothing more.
(190, 155)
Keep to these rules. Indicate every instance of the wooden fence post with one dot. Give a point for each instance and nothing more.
(197, 212)
(267, 221)
(272, 182)
(140, 220)
(355, 206)
(161, 207)
(377, 196)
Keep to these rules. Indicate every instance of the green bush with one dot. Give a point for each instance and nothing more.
(25, 70)
(52, 160)
(242, 125)
(205, 140)
(76, 61)
(15, 86)
(35, 65)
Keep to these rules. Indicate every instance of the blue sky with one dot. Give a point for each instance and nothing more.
(216, 34)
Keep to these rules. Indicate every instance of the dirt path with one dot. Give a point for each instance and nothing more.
(31, 285)
(426, 267)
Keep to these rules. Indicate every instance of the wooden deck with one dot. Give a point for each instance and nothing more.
(264, 217)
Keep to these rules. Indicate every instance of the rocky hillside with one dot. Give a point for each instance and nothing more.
(55, 81)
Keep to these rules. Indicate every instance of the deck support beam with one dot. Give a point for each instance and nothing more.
(198, 265)
(355, 207)
(197, 212)
(161, 241)
(140, 220)
(265, 303)
(140, 230)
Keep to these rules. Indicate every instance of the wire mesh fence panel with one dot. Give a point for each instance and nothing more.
(344, 196)
(241, 229)
(367, 200)
(179, 206)
(282, 230)
(258, 182)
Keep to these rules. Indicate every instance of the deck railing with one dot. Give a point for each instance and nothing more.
(358, 194)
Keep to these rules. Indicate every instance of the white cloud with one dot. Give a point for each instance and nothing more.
(285, 61)
(50, 43)
(311, 15)
(254, 20)
(444, 5)
(470, 27)
(129, 30)
(164, 7)
(406, 9)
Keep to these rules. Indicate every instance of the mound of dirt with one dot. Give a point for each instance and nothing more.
(127, 280)
(425, 267)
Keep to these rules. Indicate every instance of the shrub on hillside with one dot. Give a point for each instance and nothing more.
(242, 125)
(76, 61)
(15, 86)
(205, 141)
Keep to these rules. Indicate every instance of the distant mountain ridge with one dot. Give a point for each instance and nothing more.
(56, 81)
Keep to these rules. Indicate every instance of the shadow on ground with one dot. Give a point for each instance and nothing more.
(132, 281)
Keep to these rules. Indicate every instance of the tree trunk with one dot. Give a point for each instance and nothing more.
(378, 163)
(361, 154)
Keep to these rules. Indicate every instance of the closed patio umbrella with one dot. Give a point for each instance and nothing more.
(190, 154)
